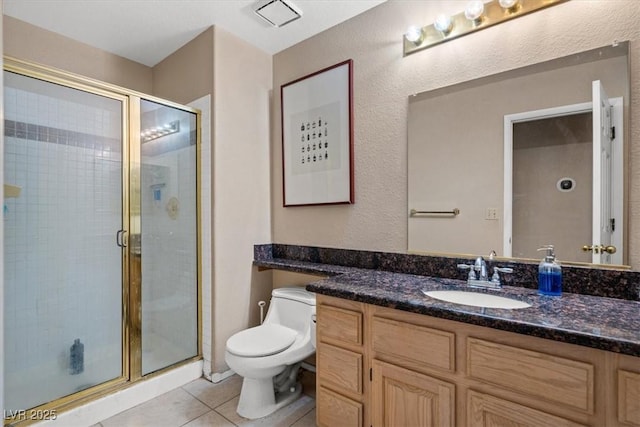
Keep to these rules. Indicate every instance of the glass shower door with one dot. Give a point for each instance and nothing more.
(63, 207)
(169, 243)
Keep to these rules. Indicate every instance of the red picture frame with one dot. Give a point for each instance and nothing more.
(317, 137)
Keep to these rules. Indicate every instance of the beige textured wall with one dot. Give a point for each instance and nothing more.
(31, 43)
(383, 80)
(456, 150)
(186, 74)
(241, 215)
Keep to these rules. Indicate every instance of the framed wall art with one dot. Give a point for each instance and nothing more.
(317, 137)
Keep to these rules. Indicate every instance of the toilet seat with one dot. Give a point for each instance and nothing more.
(263, 340)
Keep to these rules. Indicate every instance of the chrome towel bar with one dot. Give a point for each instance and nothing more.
(454, 212)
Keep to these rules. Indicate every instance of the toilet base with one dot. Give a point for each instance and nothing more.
(258, 399)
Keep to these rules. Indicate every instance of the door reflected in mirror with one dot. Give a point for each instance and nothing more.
(516, 154)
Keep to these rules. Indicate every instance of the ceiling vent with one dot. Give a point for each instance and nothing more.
(277, 12)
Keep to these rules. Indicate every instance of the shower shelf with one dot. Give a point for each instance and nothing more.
(11, 191)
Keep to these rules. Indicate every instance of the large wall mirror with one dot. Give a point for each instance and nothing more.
(507, 163)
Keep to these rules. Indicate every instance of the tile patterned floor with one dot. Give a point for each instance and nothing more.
(204, 404)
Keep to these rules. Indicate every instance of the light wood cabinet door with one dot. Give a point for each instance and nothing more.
(484, 410)
(334, 409)
(629, 397)
(406, 398)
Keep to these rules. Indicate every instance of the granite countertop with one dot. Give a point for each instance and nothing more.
(305, 266)
(604, 323)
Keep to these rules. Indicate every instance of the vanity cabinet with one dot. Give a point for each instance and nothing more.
(379, 366)
(341, 386)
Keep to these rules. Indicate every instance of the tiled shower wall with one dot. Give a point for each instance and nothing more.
(62, 266)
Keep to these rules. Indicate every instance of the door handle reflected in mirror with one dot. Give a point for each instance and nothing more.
(600, 249)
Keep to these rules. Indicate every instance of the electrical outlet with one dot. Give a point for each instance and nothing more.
(492, 214)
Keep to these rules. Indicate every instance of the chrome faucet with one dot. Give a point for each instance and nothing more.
(479, 277)
(480, 266)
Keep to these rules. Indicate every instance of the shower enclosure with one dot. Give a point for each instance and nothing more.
(101, 237)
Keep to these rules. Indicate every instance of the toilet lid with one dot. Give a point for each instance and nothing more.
(263, 340)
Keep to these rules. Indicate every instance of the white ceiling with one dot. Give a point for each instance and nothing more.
(147, 31)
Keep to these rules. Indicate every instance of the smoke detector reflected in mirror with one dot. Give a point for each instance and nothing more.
(566, 184)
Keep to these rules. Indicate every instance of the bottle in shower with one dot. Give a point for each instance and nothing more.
(76, 361)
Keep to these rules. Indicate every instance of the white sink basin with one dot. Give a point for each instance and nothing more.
(476, 299)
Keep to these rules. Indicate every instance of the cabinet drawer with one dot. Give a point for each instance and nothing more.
(544, 376)
(336, 410)
(341, 368)
(413, 343)
(484, 410)
(629, 397)
(339, 324)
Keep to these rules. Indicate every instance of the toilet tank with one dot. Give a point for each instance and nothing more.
(292, 307)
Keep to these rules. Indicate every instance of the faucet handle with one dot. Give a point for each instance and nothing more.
(472, 273)
(496, 276)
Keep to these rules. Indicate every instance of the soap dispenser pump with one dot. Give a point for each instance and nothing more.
(549, 273)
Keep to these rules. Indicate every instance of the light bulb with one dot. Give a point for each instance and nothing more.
(414, 34)
(474, 10)
(443, 23)
(508, 4)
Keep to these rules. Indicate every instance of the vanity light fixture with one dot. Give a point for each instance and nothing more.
(474, 11)
(476, 16)
(443, 23)
(510, 5)
(159, 131)
(414, 35)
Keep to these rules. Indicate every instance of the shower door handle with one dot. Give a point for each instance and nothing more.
(121, 238)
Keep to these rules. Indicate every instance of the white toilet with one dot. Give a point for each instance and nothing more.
(268, 356)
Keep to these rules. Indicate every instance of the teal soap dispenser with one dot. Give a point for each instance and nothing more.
(549, 273)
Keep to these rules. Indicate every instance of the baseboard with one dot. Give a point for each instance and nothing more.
(216, 377)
